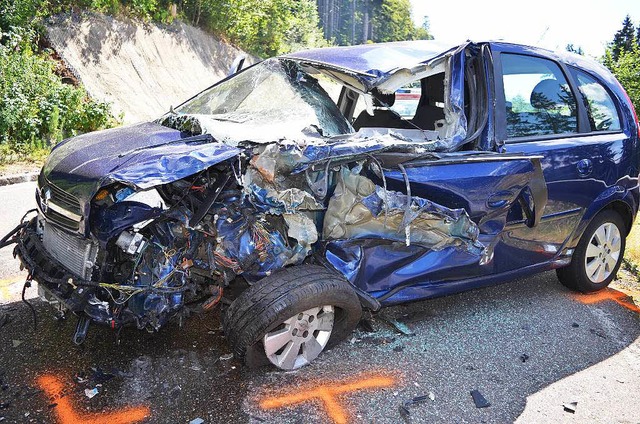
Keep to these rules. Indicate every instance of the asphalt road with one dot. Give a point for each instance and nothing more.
(528, 347)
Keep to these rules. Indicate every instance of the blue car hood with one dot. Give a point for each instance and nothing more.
(142, 156)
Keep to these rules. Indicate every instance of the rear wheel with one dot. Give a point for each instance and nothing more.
(598, 255)
(290, 317)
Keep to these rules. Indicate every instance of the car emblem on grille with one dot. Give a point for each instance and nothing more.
(45, 196)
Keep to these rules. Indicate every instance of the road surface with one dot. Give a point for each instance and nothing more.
(528, 347)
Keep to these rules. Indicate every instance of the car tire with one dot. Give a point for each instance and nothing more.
(598, 255)
(306, 307)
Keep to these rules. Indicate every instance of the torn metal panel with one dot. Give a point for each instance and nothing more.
(374, 61)
(360, 209)
(165, 164)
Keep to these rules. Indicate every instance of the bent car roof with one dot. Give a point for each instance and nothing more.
(375, 60)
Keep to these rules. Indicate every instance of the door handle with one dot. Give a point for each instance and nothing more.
(585, 167)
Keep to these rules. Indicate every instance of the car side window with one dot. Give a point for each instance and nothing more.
(538, 99)
(601, 110)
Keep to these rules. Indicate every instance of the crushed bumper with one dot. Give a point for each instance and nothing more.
(50, 274)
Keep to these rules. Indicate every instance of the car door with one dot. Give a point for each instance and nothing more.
(541, 111)
(483, 187)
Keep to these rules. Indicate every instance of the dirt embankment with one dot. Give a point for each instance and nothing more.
(142, 69)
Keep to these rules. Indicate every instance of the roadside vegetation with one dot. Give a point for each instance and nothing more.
(39, 106)
(623, 58)
(36, 109)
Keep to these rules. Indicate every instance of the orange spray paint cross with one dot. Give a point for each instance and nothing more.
(328, 394)
(67, 415)
(608, 294)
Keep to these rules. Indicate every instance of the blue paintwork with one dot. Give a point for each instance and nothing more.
(573, 200)
(375, 60)
(142, 155)
(487, 190)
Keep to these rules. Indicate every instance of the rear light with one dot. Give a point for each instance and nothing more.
(633, 109)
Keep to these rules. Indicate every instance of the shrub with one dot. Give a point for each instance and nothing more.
(36, 109)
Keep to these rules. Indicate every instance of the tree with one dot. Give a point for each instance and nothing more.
(624, 39)
(627, 70)
(422, 32)
(394, 22)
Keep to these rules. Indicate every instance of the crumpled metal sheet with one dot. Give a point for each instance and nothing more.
(360, 209)
(301, 228)
(167, 163)
(377, 266)
(374, 62)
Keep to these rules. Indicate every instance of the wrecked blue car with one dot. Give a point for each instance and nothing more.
(302, 189)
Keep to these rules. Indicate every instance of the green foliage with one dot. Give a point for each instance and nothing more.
(624, 39)
(393, 21)
(623, 59)
(347, 22)
(36, 109)
(265, 28)
(627, 71)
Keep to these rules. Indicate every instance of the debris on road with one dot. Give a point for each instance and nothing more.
(99, 376)
(404, 408)
(16, 343)
(366, 325)
(524, 357)
(479, 400)
(575, 325)
(5, 318)
(226, 357)
(401, 327)
(570, 407)
(404, 411)
(90, 393)
(196, 421)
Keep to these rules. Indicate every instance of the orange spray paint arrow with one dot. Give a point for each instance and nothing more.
(67, 415)
(328, 394)
(608, 294)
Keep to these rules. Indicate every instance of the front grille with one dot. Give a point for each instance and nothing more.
(65, 200)
(59, 206)
(76, 254)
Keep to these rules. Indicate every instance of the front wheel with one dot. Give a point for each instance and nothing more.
(290, 317)
(598, 255)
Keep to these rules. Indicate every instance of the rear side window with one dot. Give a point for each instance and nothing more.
(538, 98)
(601, 110)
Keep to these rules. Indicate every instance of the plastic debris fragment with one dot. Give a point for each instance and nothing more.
(570, 407)
(479, 400)
(90, 393)
(196, 421)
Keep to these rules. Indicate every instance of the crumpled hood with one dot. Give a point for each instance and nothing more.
(142, 155)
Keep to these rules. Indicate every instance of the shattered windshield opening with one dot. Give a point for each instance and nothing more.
(272, 100)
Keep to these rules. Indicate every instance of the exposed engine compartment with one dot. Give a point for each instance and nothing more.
(171, 250)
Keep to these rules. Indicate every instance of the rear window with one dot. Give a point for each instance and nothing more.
(538, 99)
(601, 110)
